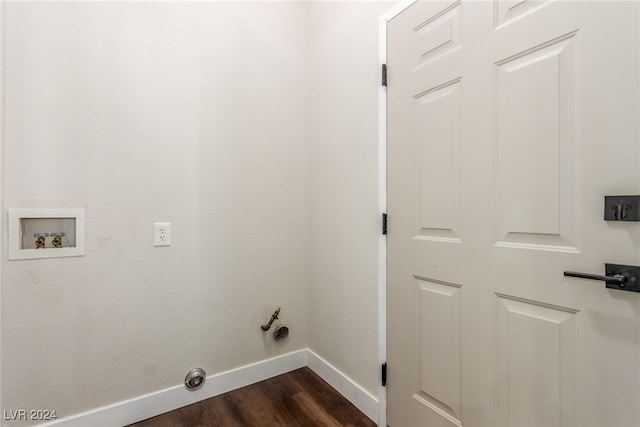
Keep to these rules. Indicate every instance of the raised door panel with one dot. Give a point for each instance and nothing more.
(438, 35)
(440, 317)
(537, 360)
(535, 149)
(437, 163)
(508, 11)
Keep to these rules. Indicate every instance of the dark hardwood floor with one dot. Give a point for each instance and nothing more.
(298, 398)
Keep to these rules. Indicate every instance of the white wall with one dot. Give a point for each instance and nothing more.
(344, 221)
(192, 113)
(252, 128)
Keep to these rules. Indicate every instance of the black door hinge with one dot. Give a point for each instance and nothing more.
(384, 75)
(384, 223)
(384, 374)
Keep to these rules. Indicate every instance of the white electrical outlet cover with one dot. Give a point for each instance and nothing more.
(161, 234)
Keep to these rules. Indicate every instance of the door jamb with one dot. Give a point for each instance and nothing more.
(382, 202)
(2, 144)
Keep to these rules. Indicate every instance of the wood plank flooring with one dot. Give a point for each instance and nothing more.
(298, 398)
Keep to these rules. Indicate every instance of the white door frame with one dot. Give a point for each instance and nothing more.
(2, 209)
(382, 203)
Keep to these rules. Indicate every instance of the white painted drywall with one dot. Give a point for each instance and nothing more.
(252, 128)
(344, 222)
(191, 113)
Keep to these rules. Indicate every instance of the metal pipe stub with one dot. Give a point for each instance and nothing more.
(280, 333)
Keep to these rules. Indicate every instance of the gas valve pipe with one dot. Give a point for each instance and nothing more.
(274, 316)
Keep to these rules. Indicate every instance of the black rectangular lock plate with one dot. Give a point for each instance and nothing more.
(622, 208)
(631, 272)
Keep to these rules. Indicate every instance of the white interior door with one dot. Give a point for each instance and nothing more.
(508, 122)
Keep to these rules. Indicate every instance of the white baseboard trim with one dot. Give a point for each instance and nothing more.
(150, 405)
(354, 393)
